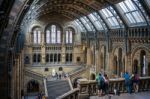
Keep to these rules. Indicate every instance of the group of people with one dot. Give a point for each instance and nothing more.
(103, 84)
(60, 75)
(131, 83)
(40, 96)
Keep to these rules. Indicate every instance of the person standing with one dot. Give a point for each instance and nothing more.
(128, 82)
(106, 84)
(136, 82)
(100, 82)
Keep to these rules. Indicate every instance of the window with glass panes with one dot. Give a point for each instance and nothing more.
(36, 58)
(131, 12)
(53, 34)
(36, 36)
(69, 35)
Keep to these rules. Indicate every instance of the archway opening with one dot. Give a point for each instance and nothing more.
(115, 65)
(120, 67)
(142, 63)
(135, 66)
(33, 86)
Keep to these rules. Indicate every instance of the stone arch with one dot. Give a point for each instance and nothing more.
(72, 27)
(53, 23)
(115, 50)
(142, 54)
(35, 26)
(134, 50)
(33, 86)
(118, 60)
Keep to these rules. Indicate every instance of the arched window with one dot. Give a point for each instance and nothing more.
(69, 36)
(36, 36)
(53, 34)
(36, 58)
(27, 60)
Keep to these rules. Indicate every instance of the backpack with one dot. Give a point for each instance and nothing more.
(101, 81)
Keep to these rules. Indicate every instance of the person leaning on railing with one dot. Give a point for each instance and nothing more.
(100, 82)
(128, 82)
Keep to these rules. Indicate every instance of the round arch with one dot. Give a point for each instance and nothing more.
(134, 50)
(53, 23)
(141, 54)
(118, 60)
(33, 86)
(31, 29)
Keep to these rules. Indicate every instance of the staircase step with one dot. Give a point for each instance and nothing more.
(57, 87)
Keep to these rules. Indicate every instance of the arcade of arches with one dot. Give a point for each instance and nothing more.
(44, 37)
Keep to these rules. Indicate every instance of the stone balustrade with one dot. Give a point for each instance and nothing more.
(90, 87)
(73, 94)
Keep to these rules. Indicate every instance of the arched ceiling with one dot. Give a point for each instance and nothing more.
(69, 8)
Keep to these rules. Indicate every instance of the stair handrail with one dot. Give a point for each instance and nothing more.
(78, 72)
(70, 84)
(73, 71)
(34, 73)
(68, 95)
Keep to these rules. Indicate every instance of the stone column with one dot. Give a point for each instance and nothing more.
(111, 65)
(128, 65)
(63, 58)
(43, 47)
(22, 72)
(89, 56)
(97, 59)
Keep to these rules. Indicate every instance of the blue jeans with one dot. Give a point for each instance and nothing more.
(128, 85)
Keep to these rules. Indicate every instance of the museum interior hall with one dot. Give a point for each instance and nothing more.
(56, 48)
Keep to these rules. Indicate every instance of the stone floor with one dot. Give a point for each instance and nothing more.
(140, 95)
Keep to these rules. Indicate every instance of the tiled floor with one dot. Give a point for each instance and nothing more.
(140, 95)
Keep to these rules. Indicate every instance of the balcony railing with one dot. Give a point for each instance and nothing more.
(73, 94)
(90, 87)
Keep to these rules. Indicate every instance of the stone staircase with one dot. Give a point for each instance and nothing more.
(33, 74)
(79, 72)
(57, 88)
